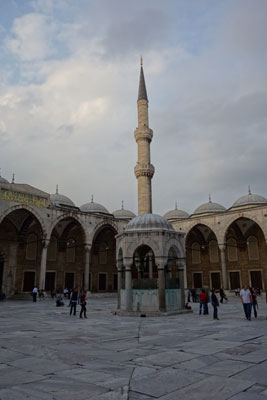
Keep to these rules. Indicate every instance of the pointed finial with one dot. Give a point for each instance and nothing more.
(13, 178)
(249, 191)
(56, 189)
(141, 61)
(209, 198)
(176, 208)
(122, 205)
(92, 199)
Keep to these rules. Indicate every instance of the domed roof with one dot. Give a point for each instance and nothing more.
(175, 214)
(3, 180)
(146, 222)
(124, 214)
(209, 207)
(93, 208)
(61, 200)
(249, 199)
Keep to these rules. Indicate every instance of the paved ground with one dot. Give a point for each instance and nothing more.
(47, 354)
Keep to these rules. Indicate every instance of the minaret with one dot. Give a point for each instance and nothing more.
(144, 171)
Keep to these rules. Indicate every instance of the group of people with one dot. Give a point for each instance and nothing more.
(76, 296)
(248, 298)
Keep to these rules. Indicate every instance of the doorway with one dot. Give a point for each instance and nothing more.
(50, 281)
(197, 280)
(234, 280)
(215, 280)
(69, 280)
(256, 279)
(28, 281)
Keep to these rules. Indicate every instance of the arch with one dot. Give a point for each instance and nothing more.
(30, 210)
(71, 250)
(103, 225)
(195, 224)
(52, 248)
(69, 215)
(232, 254)
(173, 243)
(253, 248)
(196, 256)
(213, 251)
(247, 215)
(153, 244)
(31, 246)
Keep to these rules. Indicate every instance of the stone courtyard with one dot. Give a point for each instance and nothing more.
(47, 354)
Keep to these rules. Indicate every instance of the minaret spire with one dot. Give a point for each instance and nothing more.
(144, 170)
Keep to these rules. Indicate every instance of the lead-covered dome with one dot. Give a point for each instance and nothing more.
(3, 180)
(93, 207)
(175, 214)
(209, 207)
(123, 214)
(249, 199)
(58, 200)
(149, 222)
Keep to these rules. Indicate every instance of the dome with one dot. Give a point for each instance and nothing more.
(61, 200)
(3, 180)
(249, 199)
(58, 199)
(93, 208)
(124, 214)
(175, 214)
(209, 207)
(149, 222)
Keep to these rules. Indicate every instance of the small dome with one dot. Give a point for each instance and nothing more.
(209, 207)
(3, 180)
(124, 214)
(61, 200)
(149, 222)
(93, 208)
(175, 214)
(249, 199)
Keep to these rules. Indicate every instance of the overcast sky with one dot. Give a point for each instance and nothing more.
(69, 73)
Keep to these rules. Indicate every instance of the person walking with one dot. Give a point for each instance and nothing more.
(215, 304)
(254, 301)
(83, 305)
(246, 300)
(34, 294)
(73, 301)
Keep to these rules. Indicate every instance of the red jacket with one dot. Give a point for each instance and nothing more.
(203, 297)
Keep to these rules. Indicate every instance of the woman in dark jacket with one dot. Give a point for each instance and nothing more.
(215, 304)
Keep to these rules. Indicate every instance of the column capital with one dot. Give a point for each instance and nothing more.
(222, 247)
(161, 262)
(45, 243)
(128, 262)
(87, 246)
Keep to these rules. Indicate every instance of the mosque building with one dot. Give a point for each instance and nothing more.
(49, 242)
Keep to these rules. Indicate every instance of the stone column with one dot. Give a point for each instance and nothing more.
(181, 274)
(128, 285)
(87, 249)
(43, 265)
(150, 265)
(119, 268)
(161, 284)
(224, 270)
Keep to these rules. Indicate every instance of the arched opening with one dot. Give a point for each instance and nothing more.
(246, 254)
(144, 263)
(203, 263)
(21, 238)
(2, 261)
(103, 270)
(65, 256)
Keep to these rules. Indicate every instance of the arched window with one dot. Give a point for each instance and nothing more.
(213, 251)
(253, 248)
(52, 249)
(31, 246)
(71, 253)
(232, 249)
(195, 253)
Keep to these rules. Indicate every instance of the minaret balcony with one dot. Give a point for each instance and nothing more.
(144, 170)
(144, 133)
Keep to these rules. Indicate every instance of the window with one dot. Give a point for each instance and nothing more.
(31, 247)
(195, 253)
(71, 244)
(232, 250)
(213, 251)
(52, 249)
(253, 249)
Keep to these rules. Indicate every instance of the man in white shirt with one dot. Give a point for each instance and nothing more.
(246, 299)
(34, 294)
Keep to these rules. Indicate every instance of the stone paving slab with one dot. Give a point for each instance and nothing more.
(48, 355)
